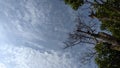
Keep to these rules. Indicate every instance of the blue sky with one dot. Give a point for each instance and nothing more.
(32, 33)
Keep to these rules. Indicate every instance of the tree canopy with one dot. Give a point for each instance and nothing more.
(107, 45)
(107, 58)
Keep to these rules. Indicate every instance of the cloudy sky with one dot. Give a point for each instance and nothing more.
(32, 33)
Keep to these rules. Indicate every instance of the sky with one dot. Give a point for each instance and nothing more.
(32, 33)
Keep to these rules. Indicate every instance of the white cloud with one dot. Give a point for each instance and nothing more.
(24, 57)
(2, 65)
(28, 23)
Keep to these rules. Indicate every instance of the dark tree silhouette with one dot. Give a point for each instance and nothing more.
(87, 33)
(107, 46)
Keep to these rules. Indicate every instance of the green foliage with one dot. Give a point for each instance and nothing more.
(74, 3)
(107, 58)
(113, 27)
(109, 14)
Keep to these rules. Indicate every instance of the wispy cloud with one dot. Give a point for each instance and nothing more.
(24, 57)
(29, 24)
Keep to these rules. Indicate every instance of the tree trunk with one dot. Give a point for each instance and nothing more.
(104, 37)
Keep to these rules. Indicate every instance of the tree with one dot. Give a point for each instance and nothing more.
(107, 58)
(106, 55)
(86, 33)
(74, 3)
(106, 11)
(107, 46)
(109, 14)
